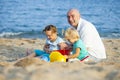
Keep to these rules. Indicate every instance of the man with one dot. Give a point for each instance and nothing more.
(88, 35)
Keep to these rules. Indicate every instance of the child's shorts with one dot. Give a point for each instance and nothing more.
(42, 55)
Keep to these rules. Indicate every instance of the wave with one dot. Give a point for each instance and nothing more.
(40, 34)
(26, 34)
(9, 34)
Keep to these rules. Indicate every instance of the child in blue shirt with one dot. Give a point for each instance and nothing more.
(53, 42)
(79, 50)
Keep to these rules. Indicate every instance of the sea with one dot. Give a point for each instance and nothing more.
(27, 18)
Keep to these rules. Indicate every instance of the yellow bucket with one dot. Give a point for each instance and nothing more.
(56, 56)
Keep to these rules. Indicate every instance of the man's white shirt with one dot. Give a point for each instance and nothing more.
(91, 39)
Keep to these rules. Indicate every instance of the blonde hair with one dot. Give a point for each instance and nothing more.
(71, 33)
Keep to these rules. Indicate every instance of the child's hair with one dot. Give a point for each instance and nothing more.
(50, 28)
(71, 33)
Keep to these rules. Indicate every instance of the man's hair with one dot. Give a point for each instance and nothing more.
(50, 28)
(75, 10)
(71, 33)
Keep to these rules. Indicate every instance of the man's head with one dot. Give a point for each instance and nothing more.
(73, 17)
(51, 32)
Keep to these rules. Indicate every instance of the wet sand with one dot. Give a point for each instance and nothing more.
(12, 50)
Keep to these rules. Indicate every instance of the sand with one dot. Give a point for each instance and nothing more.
(11, 50)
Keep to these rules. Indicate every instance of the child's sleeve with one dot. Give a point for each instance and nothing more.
(60, 40)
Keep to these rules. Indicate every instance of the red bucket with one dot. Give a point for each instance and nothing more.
(64, 52)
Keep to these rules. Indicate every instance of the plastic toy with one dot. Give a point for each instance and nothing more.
(56, 56)
(64, 52)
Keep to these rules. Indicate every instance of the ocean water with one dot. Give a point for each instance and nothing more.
(27, 18)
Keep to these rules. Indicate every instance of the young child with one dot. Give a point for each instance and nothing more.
(53, 42)
(79, 50)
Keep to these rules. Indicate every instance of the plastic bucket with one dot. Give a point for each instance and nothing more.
(64, 52)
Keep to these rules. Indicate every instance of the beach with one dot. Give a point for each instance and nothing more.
(11, 50)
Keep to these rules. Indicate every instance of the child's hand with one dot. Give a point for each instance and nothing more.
(66, 56)
(62, 46)
(46, 48)
(69, 48)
